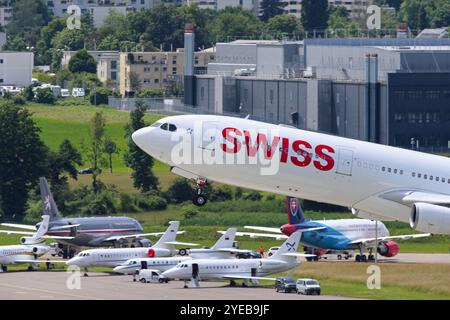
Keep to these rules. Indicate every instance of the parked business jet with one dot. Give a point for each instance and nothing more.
(165, 247)
(339, 234)
(88, 231)
(376, 181)
(222, 249)
(28, 252)
(239, 269)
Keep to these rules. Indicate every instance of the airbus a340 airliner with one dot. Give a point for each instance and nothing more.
(376, 181)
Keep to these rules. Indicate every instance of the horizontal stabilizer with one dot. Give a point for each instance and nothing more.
(267, 229)
(175, 243)
(138, 235)
(235, 250)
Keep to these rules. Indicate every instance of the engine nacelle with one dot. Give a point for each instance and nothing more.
(28, 240)
(144, 243)
(388, 249)
(430, 218)
(40, 250)
(159, 252)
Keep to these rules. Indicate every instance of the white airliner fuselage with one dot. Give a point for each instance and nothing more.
(376, 181)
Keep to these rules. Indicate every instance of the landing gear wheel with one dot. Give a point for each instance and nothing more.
(4, 268)
(363, 258)
(371, 257)
(200, 200)
(182, 252)
(161, 280)
(339, 257)
(358, 258)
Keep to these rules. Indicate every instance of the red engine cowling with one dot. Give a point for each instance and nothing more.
(151, 253)
(388, 249)
(288, 229)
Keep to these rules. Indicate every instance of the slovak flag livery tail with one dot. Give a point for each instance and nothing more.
(294, 210)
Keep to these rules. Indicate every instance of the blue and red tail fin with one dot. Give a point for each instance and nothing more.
(294, 210)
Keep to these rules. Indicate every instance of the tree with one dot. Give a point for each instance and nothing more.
(44, 43)
(140, 163)
(45, 95)
(28, 93)
(22, 159)
(340, 23)
(135, 81)
(96, 148)
(235, 22)
(314, 14)
(110, 148)
(284, 24)
(82, 61)
(271, 8)
(416, 13)
(441, 15)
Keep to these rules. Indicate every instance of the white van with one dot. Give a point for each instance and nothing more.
(78, 92)
(150, 275)
(308, 286)
(65, 93)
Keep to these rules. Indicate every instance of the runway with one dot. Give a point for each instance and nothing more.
(101, 286)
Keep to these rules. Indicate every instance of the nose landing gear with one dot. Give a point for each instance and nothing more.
(200, 199)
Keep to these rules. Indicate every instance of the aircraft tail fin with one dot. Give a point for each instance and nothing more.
(294, 210)
(43, 227)
(226, 240)
(49, 204)
(289, 246)
(169, 236)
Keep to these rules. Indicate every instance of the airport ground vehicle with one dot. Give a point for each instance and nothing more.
(150, 275)
(78, 92)
(285, 285)
(337, 255)
(65, 93)
(308, 286)
(249, 255)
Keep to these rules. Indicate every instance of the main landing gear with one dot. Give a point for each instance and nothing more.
(200, 198)
(363, 258)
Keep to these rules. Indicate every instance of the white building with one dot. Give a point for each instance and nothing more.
(251, 5)
(5, 12)
(16, 68)
(108, 67)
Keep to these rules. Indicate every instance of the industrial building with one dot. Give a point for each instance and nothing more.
(16, 68)
(389, 91)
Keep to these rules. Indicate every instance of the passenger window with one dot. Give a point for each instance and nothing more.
(401, 172)
(413, 174)
(395, 171)
(165, 126)
(419, 175)
(425, 176)
(389, 170)
(431, 177)
(383, 169)
(172, 128)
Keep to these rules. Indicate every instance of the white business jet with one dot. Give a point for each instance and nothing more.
(165, 247)
(31, 248)
(239, 269)
(377, 182)
(222, 249)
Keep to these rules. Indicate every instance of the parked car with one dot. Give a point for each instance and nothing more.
(285, 285)
(273, 250)
(65, 93)
(249, 255)
(149, 275)
(86, 171)
(308, 286)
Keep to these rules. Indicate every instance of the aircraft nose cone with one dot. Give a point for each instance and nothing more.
(139, 137)
(168, 274)
(73, 262)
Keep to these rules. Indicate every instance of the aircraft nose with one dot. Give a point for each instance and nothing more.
(118, 269)
(140, 136)
(73, 262)
(170, 274)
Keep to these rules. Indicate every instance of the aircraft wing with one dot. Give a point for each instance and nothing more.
(267, 229)
(19, 226)
(300, 255)
(25, 233)
(228, 277)
(234, 250)
(181, 243)
(139, 235)
(261, 235)
(400, 237)
(409, 197)
(40, 261)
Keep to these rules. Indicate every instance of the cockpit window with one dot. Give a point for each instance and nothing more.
(169, 127)
(156, 124)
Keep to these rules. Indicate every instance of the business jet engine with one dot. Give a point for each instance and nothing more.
(28, 240)
(144, 243)
(430, 218)
(40, 250)
(388, 249)
(159, 252)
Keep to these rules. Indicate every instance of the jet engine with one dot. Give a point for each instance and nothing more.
(159, 252)
(430, 218)
(28, 240)
(388, 249)
(40, 250)
(144, 243)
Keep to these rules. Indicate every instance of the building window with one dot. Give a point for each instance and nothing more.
(113, 75)
(113, 64)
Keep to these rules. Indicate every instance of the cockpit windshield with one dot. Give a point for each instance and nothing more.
(169, 127)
